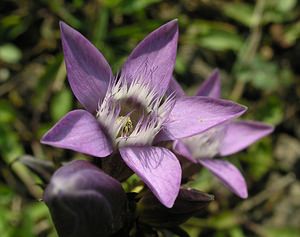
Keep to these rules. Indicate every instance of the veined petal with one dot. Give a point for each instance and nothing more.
(241, 134)
(175, 89)
(212, 86)
(88, 71)
(228, 174)
(158, 168)
(196, 114)
(153, 59)
(79, 131)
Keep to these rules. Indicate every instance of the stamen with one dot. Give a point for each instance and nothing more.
(127, 126)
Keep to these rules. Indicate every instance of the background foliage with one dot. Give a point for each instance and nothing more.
(255, 44)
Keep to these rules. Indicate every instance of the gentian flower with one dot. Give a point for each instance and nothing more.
(130, 113)
(84, 201)
(222, 140)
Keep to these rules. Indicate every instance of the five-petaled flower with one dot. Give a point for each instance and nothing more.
(222, 140)
(130, 113)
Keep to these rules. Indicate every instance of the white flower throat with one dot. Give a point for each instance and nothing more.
(207, 144)
(133, 113)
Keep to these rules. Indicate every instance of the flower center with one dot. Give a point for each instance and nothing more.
(133, 113)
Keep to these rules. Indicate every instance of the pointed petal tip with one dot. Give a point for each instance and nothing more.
(216, 70)
(239, 109)
(244, 194)
(268, 128)
(173, 23)
(211, 87)
(62, 24)
(47, 139)
(173, 26)
(64, 27)
(158, 168)
(44, 138)
(236, 109)
(228, 174)
(156, 53)
(244, 108)
(241, 134)
(216, 73)
(169, 204)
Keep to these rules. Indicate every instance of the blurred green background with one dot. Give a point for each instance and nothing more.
(255, 44)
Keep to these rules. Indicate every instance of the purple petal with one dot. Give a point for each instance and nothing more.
(181, 149)
(158, 168)
(212, 86)
(196, 114)
(175, 89)
(241, 134)
(79, 131)
(228, 174)
(88, 71)
(153, 59)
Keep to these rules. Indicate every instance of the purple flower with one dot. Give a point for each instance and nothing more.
(84, 201)
(130, 113)
(222, 140)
